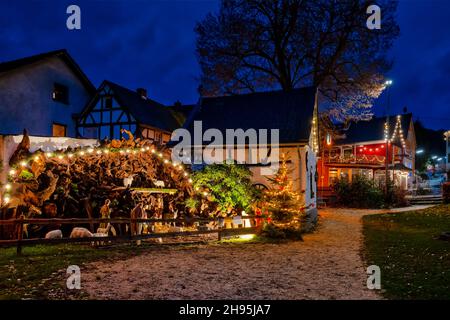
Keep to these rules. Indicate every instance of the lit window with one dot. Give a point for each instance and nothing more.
(60, 93)
(59, 130)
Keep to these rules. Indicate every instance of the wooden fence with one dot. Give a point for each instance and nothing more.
(220, 230)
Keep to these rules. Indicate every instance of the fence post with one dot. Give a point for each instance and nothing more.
(20, 235)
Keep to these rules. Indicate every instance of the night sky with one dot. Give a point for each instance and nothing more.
(151, 44)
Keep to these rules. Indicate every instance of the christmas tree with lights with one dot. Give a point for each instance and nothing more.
(284, 204)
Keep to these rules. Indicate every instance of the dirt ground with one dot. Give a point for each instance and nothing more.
(327, 265)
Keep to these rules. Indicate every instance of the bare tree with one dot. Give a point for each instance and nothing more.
(253, 45)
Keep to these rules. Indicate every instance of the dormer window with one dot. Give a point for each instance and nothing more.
(60, 93)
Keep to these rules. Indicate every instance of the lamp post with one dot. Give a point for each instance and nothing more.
(387, 83)
(447, 152)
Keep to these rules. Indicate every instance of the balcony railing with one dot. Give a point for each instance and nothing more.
(358, 159)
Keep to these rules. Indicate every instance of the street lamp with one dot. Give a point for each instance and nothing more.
(420, 151)
(387, 83)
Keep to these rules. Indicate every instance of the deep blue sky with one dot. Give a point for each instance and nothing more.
(151, 44)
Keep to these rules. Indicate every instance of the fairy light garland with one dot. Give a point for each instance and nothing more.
(398, 132)
(24, 164)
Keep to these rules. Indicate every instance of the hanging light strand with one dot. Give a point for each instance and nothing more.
(24, 164)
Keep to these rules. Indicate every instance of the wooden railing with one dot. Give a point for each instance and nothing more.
(220, 230)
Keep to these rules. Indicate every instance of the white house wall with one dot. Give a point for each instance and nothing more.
(26, 98)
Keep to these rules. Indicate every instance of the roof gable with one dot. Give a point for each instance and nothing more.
(373, 130)
(62, 54)
(145, 111)
(289, 111)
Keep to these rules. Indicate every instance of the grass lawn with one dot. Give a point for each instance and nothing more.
(413, 263)
(28, 275)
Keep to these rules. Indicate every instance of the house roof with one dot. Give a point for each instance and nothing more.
(373, 130)
(146, 111)
(289, 111)
(62, 54)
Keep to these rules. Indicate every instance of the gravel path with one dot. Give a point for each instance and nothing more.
(327, 265)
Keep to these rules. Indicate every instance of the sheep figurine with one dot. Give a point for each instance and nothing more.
(128, 181)
(159, 183)
(54, 234)
(80, 233)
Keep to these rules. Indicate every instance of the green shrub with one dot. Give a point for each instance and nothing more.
(395, 197)
(365, 193)
(273, 231)
(229, 186)
(446, 192)
(360, 193)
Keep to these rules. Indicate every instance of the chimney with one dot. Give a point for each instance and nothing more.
(142, 92)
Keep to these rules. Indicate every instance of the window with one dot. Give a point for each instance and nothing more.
(59, 130)
(60, 93)
(158, 136)
(108, 102)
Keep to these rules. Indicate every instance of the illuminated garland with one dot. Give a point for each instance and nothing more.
(14, 172)
(398, 132)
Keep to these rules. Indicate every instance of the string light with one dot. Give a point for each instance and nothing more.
(398, 132)
(91, 150)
